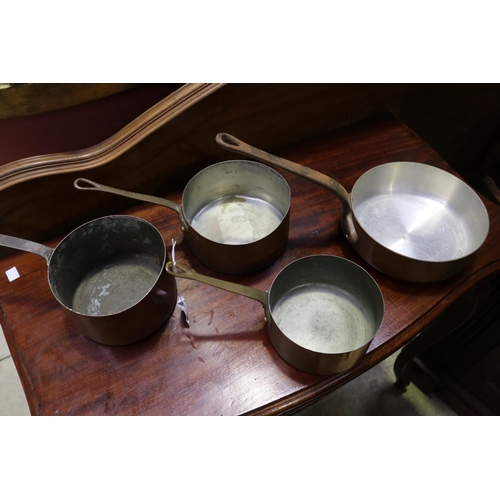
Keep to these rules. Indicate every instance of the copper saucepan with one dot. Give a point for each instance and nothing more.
(109, 275)
(322, 311)
(235, 214)
(411, 221)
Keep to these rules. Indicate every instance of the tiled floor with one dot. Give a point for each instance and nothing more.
(373, 393)
(12, 399)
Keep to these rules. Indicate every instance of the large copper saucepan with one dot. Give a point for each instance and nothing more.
(109, 275)
(235, 214)
(409, 220)
(322, 311)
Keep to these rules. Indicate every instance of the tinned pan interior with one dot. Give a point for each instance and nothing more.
(324, 304)
(235, 181)
(420, 212)
(128, 252)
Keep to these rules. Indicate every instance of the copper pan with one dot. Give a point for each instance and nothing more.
(322, 311)
(411, 221)
(109, 276)
(235, 214)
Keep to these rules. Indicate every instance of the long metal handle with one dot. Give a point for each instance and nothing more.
(231, 143)
(26, 246)
(246, 291)
(88, 185)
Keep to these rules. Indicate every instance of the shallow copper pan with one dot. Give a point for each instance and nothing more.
(409, 220)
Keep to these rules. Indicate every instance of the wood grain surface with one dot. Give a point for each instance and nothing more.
(223, 363)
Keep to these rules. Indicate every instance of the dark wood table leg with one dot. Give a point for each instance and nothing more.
(456, 316)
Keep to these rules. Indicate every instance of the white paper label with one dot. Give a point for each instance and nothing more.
(183, 307)
(12, 274)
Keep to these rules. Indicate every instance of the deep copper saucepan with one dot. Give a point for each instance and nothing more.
(235, 214)
(109, 275)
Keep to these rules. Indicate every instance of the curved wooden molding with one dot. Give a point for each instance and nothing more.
(62, 163)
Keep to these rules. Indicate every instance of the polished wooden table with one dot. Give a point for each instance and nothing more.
(223, 363)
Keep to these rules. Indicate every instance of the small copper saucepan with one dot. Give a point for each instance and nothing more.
(109, 275)
(322, 311)
(235, 214)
